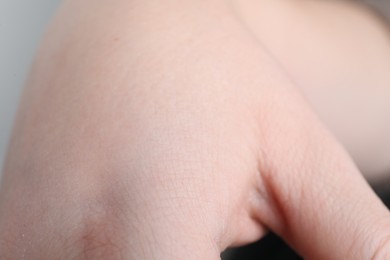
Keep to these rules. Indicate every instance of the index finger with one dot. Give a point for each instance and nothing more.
(319, 202)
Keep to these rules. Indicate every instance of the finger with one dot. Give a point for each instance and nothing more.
(319, 201)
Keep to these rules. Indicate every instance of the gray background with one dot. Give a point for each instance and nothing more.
(22, 23)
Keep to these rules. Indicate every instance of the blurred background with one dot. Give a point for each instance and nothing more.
(22, 24)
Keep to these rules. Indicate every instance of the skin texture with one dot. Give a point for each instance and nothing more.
(338, 55)
(148, 131)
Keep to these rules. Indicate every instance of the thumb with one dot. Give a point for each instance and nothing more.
(320, 203)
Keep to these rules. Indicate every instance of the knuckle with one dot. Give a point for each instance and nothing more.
(383, 250)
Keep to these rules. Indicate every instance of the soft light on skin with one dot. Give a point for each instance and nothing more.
(149, 131)
(338, 54)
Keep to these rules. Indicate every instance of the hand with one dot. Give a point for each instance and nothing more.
(148, 131)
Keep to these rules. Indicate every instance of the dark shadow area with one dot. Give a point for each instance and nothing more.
(272, 247)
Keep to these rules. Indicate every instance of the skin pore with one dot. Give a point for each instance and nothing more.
(338, 54)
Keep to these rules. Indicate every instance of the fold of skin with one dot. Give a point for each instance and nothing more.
(338, 54)
(149, 131)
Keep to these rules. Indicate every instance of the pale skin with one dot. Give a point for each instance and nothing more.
(169, 130)
(338, 54)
